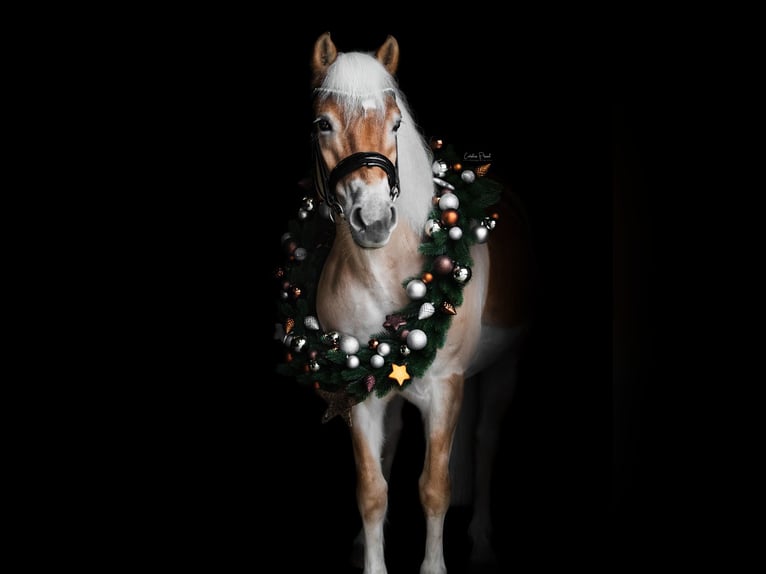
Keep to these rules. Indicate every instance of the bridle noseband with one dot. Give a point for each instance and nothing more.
(326, 182)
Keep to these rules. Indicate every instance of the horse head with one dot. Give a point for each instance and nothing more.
(355, 137)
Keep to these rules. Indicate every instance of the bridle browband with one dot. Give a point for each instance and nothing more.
(326, 182)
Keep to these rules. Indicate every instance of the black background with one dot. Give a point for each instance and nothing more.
(243, 469)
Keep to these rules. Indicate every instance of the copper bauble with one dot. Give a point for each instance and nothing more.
(443, 265)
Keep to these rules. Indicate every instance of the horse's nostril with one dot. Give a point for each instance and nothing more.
(393, 216)
(356, 219)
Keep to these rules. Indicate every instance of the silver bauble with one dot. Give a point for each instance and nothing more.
(417, 339)
(461, 273)
(352, 361)
(416, 289)
(449, 201)
(349, 344)
(455, 233)
(377, 361)
(468, 176)
(480, 233)
(383, 349)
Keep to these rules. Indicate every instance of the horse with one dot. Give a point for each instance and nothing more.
(403, 238)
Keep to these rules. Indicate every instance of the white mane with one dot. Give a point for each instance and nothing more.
(356, 79)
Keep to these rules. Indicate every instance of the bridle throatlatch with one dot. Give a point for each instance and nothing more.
(327, 182)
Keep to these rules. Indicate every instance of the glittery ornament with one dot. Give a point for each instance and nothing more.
(447, 308)
(369, 382)
(313, 366)
(393, 322)
(311, 323)
(489, 223)
(404, 351)
(338, 404)
(308, 203)
(468, 176)
(295, 292)
(426, 310)
(482, 170)
(289, 324)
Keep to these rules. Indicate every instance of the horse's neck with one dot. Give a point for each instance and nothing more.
(358, 287)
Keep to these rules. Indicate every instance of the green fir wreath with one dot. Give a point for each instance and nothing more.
(345, 371)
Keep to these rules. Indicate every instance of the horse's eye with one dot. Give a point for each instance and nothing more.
(323, 125)
(397, 125)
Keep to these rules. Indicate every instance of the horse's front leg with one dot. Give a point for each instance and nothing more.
(440, 417)
(372, 488)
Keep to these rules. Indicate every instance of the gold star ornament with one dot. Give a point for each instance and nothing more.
(399, 373)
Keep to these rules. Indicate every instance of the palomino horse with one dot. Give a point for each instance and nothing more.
(405, 238)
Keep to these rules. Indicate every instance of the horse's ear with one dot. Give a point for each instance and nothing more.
(325, 53)
(388, 54)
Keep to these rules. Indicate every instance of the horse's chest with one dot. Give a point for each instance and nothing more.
(356, 310)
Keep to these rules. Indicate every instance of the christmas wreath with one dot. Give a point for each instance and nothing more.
(343, 370)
